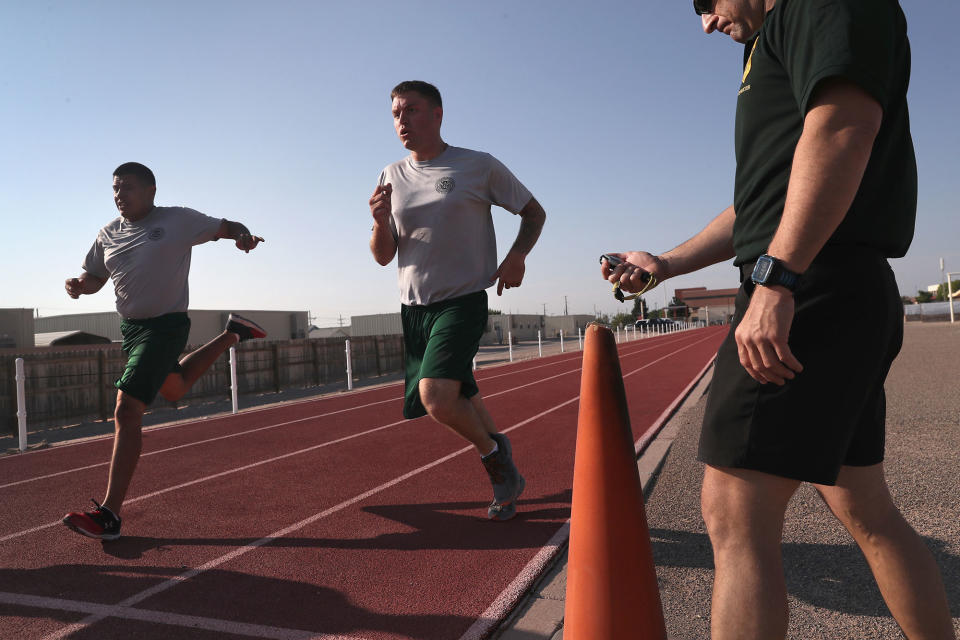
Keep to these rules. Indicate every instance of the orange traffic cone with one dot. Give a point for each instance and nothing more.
(612, 591)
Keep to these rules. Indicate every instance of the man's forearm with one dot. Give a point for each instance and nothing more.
(532, 219)
(383, 245)
(712, 245)
(828, 166)
(232, 230)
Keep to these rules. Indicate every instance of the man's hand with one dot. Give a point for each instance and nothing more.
(246, 242)
(74, 288)
(627, 273)
(380, 205)
(85, 284)
(510, 272)
(762, 336)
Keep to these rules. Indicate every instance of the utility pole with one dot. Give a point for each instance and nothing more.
(544, 309)
(566, 311)
(341, 319)
(942, 280)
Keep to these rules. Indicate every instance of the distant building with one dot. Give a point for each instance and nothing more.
(16, 328)
(521, 327)
(718, 304)
(329, 332)
(205, 325)
(62, 338)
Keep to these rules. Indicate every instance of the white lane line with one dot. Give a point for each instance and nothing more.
(504, 598)
(243, 550)
(24, 532)
(502, 604)
(159, 617)
(252, 465)
(229, 435)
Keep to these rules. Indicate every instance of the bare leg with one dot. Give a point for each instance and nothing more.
(485, 416)
(128, 418)
(442, 400)
(195, 364)
(902, 565)
(744, 511)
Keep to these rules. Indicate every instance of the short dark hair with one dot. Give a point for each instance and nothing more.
(425, 89)
(136, 169)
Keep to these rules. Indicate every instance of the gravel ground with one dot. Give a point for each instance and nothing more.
(832, 594)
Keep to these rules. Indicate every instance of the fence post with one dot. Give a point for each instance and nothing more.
(539, 344)
(233, 378)
(510, 343)
(21, 405)
(102, 384)
(275, 352)
(349, 368)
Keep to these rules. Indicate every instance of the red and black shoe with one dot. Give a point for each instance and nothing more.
(101, 523)
(246, 329)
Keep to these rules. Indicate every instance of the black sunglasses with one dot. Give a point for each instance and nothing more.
(701, 7)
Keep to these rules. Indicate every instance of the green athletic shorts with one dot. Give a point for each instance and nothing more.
(153, 347)
(440, 341)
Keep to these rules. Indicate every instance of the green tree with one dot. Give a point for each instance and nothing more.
(924, 296)
(623, 319)
(494, 312)
(942, 290)
(678, 308)
(639, 307)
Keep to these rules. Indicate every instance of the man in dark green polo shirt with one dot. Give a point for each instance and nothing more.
(825, 193)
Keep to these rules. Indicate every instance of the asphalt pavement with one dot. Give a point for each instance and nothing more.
(831, 591)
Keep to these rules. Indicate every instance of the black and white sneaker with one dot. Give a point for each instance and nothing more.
(246, 329)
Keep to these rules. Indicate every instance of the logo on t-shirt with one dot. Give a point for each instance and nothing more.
(749, 65)
(156, 233)
(445, 185)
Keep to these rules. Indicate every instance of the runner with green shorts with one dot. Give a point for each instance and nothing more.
(432, 211)
(146, 252)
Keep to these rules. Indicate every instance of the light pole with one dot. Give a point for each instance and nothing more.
(950, 292)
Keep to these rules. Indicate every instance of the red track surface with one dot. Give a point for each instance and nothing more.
(329, 518)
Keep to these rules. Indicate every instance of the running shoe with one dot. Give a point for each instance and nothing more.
(246, 329)
(507, 482)
(101, 523)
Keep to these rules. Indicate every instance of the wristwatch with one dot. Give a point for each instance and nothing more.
(769, 272)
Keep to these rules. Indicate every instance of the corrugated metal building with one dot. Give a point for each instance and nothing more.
(16, 328)
(520, 326)
(205, 324)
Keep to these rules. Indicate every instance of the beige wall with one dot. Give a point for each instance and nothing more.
(18, 325)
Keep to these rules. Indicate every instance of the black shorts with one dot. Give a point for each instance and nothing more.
(846, 332)
(440, 341)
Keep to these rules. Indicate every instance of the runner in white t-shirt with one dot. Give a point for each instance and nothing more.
(432, 211)
(146, 252)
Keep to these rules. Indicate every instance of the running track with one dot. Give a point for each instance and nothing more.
(329, 518)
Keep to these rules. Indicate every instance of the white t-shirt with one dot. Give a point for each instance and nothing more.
(446, 244)
(149, 260)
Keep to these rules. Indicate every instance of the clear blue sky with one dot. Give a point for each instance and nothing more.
(618, 116)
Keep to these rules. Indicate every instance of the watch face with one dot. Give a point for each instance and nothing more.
(762, 271)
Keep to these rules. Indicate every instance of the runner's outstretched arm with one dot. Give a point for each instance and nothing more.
(238, 231)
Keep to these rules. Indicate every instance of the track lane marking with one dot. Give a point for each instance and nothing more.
(160, 617)
(257, 429)
(128, 603)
